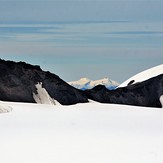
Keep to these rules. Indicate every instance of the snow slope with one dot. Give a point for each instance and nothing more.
(82, 133)
(85, 83)
(145, 75)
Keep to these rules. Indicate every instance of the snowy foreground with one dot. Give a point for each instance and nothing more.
(82, 133)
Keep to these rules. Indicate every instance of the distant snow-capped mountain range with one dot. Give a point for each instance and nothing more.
(85, 83)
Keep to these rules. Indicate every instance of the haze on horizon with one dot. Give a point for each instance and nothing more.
(75, 39)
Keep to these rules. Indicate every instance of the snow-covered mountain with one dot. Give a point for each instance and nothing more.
(144, 75)
(85, 83)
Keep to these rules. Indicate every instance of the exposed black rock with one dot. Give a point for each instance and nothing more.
(18, 83)
(131, 82)
(145, 93)
(18, 80)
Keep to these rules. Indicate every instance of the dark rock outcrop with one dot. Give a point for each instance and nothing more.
(18, 80)
(18, 83)
(145, 93)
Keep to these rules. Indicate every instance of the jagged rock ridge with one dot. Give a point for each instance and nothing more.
(146, 93)
(18, 83)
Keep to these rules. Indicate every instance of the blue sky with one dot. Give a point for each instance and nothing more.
(74, 39)
(68, 10)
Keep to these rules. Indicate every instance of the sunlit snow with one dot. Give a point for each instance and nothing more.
(82, 133)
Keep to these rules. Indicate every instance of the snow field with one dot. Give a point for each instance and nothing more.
(82, 133)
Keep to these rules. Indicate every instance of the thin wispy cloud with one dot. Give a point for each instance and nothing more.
(87, 36)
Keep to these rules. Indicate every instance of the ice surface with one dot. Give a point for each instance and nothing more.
(81, 133)
(42, 96)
